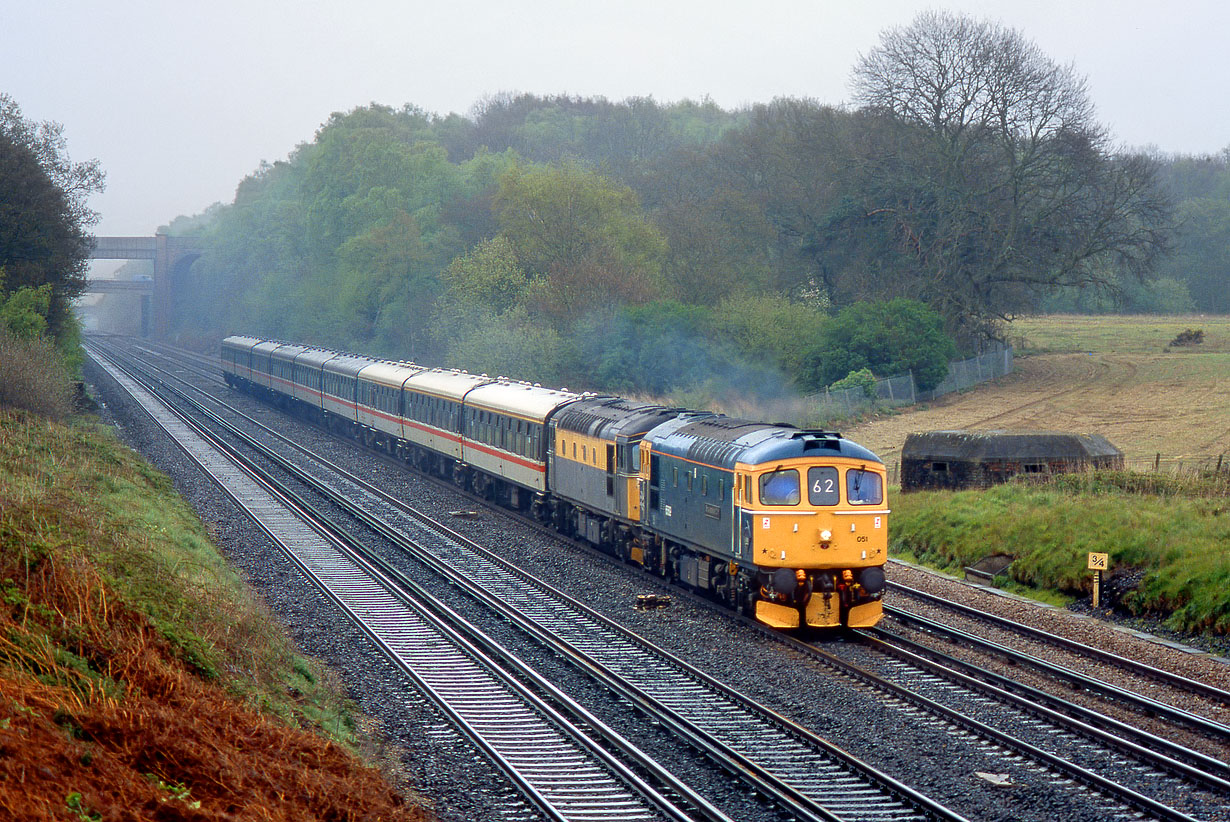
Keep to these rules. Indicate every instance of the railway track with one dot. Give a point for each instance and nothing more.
(560, 768)
(802, 773)
(1151, 775)
(1068, 678)
(686, 695)
(1217, 696)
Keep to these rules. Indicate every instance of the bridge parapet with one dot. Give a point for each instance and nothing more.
(120, 287)
(124, 248)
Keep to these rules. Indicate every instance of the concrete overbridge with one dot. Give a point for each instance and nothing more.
(172, 257)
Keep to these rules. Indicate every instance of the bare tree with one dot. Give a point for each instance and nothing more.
(997, 182)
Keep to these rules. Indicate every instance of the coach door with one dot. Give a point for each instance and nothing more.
(610, 473)
(642, 482)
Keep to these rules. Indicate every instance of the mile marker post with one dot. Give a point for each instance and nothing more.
(1098, 563)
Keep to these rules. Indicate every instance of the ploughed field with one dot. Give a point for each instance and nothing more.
(1114, 375)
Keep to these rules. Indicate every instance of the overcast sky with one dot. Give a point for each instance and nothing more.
(179, 101)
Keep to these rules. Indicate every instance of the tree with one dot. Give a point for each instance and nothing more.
(585, 233)
(768, 329)
(76, 181)
(489, 277)
(719, 237)
(989, 173)
(889, 338)
(1203, 254)
(376, 287)
(44, 215)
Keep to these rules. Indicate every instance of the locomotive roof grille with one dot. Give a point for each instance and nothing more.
(715, 453)
(597, 413)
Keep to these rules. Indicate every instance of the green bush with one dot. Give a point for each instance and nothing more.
(863, 378)
(890, 338)
(24, 312)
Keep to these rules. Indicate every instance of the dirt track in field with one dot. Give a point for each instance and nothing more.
(1145, 404)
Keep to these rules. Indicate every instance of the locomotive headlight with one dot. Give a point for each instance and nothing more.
(826, 535)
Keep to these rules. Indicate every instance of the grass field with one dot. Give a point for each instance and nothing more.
(1116, 334)
(1111, 375)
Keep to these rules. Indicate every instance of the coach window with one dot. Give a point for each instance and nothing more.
(675, 475)
(704, 485)
(780, 488)
(863, 487)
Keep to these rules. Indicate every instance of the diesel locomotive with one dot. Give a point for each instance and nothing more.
(786, 525)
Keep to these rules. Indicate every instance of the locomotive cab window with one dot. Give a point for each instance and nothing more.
(780, 488)
(863, 487)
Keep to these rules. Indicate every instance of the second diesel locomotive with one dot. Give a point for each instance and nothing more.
(786, 525)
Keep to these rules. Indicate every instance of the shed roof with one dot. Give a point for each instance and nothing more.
(999, 444)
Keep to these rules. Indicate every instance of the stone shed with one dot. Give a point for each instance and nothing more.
(977, 459)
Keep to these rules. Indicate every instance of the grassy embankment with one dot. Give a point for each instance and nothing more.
(1173, 532)
(138, 677)
(1170, 531)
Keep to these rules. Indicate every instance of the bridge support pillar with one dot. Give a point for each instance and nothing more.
(162, 288)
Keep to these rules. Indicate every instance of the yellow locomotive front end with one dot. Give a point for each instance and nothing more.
(816, 528)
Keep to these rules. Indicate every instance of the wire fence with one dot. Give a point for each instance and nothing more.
(1188, 464)
(903, 390)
